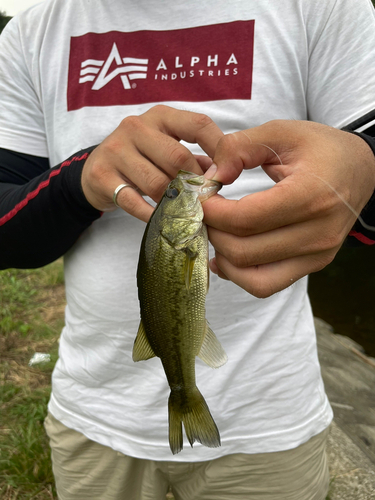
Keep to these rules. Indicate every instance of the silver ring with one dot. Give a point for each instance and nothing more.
(117, 190)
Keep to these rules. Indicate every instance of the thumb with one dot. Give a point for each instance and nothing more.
(250, 148)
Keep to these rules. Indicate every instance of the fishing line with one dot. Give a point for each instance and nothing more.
(361, 221)
(358, 216)
(260, 144)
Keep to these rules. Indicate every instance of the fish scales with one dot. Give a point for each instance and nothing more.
(172, 280)
(163, 289)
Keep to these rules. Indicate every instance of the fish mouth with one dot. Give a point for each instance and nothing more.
(205, 188)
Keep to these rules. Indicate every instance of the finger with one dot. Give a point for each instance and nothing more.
(155, 187)
(165, 152)
(188, 126)
(130, 200)
(265, 280)
(215, 269)
(205, 162)
(236, 152)
(140, 171)
(152, 142)
(246, 149)
(308, 238)
(99, 185)
(287, 202)
(131, 164)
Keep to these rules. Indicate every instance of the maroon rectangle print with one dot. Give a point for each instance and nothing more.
(205, 63)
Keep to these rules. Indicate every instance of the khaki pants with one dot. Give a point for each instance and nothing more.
(85, 470)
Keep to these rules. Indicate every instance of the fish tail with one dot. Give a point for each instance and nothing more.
(191, 409)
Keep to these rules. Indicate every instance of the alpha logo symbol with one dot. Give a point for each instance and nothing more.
(129, 68)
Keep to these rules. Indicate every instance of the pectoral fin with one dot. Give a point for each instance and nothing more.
(211, 351)
(189, 267)
(142, 349)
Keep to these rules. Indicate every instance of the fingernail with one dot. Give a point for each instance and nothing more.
(211, 171)
(213, 266)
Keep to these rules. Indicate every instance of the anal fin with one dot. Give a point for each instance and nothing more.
(142, 349)
(212, 352)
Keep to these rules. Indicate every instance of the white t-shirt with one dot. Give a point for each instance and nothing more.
(69, 73)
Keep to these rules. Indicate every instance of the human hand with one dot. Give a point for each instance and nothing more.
(145, 151)
(268, 240)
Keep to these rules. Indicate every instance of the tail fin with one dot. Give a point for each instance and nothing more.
(190, 408)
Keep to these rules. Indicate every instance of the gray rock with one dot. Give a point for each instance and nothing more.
(349, 378)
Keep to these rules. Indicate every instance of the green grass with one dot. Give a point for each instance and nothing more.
(31, 318)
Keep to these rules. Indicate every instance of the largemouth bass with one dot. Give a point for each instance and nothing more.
(172, 280)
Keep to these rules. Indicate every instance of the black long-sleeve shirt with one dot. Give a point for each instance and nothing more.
(43, 211)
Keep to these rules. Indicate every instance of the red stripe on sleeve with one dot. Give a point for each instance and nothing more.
(362, 238)
(7, 217)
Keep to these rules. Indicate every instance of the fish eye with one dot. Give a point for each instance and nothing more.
(172, 193)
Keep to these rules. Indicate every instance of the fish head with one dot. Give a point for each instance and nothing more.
(185, 194)
(181, 206)
(199, 184)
